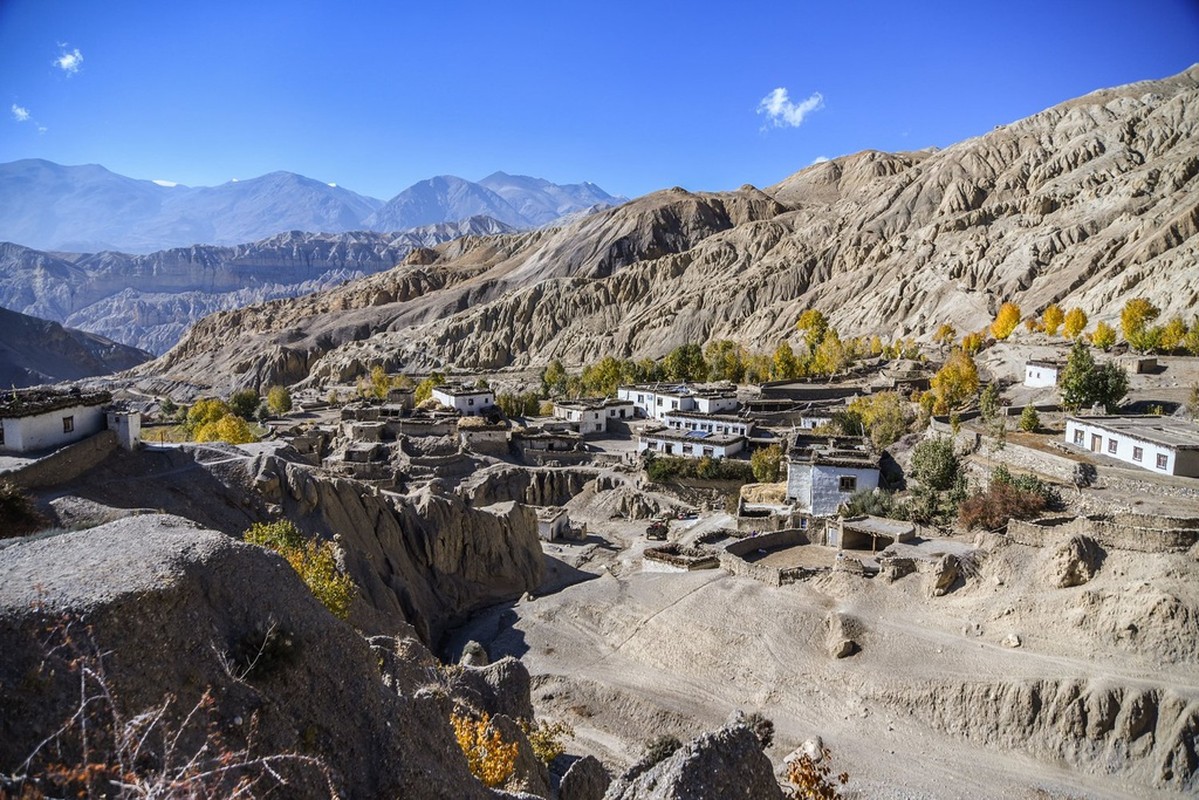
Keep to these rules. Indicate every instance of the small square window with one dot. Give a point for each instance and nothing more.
(1079, 436)
(1138, 453)
(1161, 461)
(848, 483)
(1111, 445)
(470, 402)
(68, 424)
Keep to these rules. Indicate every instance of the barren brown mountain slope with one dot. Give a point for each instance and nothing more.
(1088, 203)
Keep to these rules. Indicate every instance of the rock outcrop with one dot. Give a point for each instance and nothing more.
(585, 779)
(1084, 204)
(1075, 562)
(727, 764)
(1149, 735)
(944, 575)
(176, 610)
(428, 559)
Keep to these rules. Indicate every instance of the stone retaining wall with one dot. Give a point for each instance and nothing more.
(66, 463)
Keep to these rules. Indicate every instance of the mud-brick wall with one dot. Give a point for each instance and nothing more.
(1140, 533)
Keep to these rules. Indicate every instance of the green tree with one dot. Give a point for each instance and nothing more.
(726, 360)
(602, 378)
(1075, 323)
(685, 363)
(278, 400)
(1005, 321)
(1191, 340)
(553, 379)
(1134, 322)
(1030, 421)
(424, 389)
(988, 402)
(244, 403)
(1104, 336)
(784, 366)
(1052, 319)
(766, 463)
(934, 463)
(1083, 383)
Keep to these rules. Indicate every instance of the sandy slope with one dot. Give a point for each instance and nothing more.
(628, 655)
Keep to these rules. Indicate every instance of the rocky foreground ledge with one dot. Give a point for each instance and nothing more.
(196, 657)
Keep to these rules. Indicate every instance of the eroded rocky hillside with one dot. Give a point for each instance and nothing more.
(1089, 203)
(150, 300)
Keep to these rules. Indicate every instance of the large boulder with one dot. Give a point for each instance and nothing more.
(944, 575)
(586, 779)
(727, 764)
(1074, 562)
(177, 612)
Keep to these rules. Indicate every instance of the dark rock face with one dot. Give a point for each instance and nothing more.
(35, 351)
(176, 609)
(585, 780)
(727, 764)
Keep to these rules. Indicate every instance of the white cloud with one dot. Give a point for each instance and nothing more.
(69, 62)
(819, 160)
(782, 113)
(334, 185)
(20, 114)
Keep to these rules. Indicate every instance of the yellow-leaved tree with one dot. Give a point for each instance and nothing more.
(1104, 336)
(1134, 321)
(490, 758)
(1052, 319)
(1005, 321)
(1075, 323)
(229, 428)
(973, 342)
(945, 335)
(955, 383)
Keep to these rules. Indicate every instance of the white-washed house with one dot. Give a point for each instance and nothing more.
(823, 472)
(39, 420)
(1164, 445)
(466, 400)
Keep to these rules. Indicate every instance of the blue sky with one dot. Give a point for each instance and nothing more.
(635, 96)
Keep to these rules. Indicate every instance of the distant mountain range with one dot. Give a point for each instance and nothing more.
(87, 209)
(150, 300)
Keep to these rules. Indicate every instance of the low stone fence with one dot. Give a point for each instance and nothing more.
(732, 559)
(674, 557)
(66, 463)
(1138, 532)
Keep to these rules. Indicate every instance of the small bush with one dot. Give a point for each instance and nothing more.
(315, 563)
(661, 469)
(813, 778)
(278, 399)
(1030, 420)
(1008, 497)
(876, 503)
(244, 403)
(546, 739)
(490, 758)
(659, 749)
(18, 515)
(766, 464)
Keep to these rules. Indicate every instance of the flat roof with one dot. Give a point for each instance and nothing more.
(878, 526)
(19, 403)
(702, 415)
(461, 391)
(1041, 362)
(591, 403)
(679, 389)
(841, 451)
(691, 437)
(1167, 431)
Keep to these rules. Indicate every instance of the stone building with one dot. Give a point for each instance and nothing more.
(823, 472)
(40, 419)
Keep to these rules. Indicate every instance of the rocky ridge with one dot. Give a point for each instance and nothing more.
(151, 300)
(1089, 203)
(35, 351)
